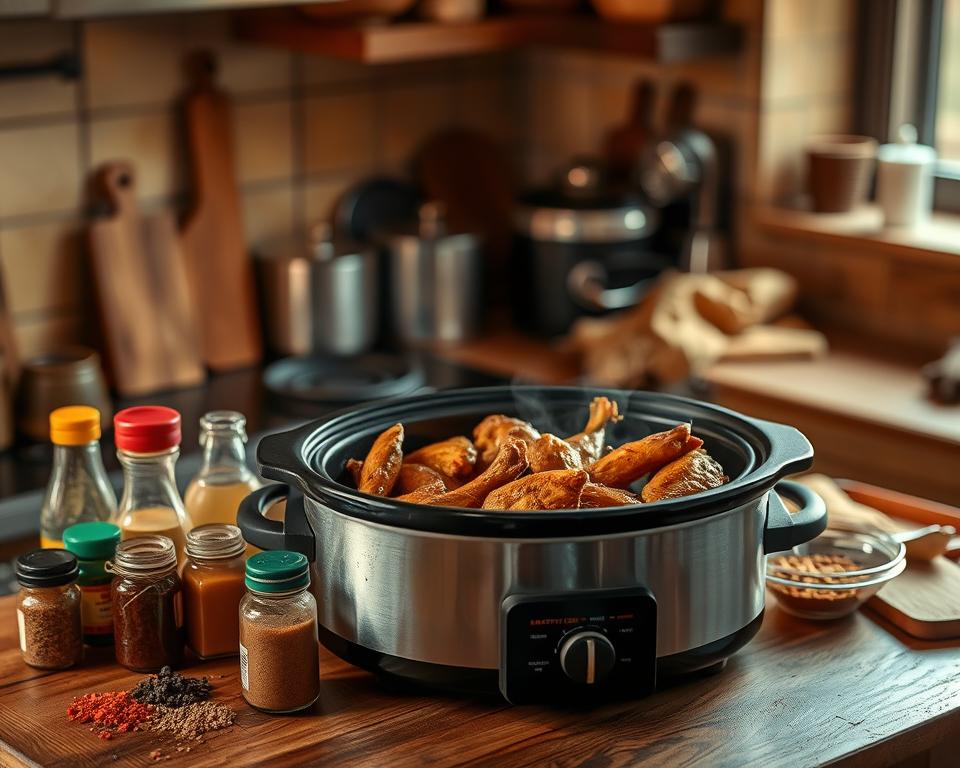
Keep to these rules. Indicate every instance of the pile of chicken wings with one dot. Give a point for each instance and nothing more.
(510, 465)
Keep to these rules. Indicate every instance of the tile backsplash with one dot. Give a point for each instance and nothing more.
(304, 129)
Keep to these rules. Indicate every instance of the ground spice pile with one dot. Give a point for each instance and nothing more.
(171, 689)
(111, 712)
(191, 721)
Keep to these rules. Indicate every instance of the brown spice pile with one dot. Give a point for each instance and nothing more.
(191, 721)
(823, 569)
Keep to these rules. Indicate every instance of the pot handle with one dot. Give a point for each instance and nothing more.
(587, 284)
(783, 530)
(293, 533)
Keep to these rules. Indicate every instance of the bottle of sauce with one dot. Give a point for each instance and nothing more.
(148, 445)
(213, 587)
(94, 544)
(224, 480)
(78, 489)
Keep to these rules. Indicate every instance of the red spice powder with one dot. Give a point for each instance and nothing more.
(112, 709)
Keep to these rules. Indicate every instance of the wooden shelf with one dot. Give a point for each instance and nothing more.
(413, 40)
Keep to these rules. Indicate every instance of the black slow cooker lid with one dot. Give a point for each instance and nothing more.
(754, 453)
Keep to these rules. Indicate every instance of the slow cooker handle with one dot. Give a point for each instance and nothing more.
(293, 533)
(784, 530)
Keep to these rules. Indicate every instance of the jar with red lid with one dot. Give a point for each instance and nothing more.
(148, 445)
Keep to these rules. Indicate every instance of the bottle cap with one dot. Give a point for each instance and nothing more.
(92, 541)
(277, 571)
(74, 425)
(47, 568)
(147, 429)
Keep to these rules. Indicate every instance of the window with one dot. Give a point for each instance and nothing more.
(910, 73)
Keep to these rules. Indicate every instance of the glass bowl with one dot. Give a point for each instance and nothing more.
(804, 587)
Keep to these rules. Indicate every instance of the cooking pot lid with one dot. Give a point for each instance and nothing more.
(330, 379)
(756, 454)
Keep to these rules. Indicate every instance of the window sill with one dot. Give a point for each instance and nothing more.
(937, 242)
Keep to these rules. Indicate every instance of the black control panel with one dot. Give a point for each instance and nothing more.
(556, 648)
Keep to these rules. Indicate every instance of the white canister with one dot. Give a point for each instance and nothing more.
(905, 180)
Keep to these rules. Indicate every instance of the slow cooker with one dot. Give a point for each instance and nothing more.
(553, 606)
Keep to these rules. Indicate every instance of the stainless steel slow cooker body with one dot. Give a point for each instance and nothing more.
(424, 593)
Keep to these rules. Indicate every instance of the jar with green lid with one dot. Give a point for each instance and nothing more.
(94, 544)
(279, 649)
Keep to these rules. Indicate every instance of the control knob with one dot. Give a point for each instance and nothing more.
(587, 656)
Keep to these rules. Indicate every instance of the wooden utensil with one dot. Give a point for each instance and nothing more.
(145, 305)
(219, 269)
(623, 145)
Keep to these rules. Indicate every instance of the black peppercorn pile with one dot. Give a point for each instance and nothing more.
(170, 689)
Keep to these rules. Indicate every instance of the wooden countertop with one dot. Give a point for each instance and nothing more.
(850, 693)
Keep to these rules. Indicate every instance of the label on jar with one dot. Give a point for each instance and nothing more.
(23, 631)
(96, 610)
(244, 679)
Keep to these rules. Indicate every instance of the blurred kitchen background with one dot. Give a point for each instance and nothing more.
(281, 210)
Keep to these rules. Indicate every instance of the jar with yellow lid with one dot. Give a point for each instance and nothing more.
(78, 490)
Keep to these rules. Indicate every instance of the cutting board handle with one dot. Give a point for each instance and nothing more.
(116, 185)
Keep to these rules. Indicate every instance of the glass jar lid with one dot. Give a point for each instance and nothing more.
(92, 541)
(144, 556)
(47, 568)
(74, 425)
(216, 541)
(277, 571)
(147, 429)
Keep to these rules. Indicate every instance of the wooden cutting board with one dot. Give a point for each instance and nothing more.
(145, 305)
(219, 268)
(923, 601)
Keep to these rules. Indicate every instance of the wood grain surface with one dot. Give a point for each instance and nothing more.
(852, 693)
(219, 268)
(147, 314)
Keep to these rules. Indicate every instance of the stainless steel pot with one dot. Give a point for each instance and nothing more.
(435, 281)
(476, 597)
(319, 295)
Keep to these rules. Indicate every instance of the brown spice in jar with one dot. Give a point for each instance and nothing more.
(50, 626)
(279, 663)
(147, 631)
(823, 569)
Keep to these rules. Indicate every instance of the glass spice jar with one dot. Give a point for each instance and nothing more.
(279, 650)
(145, 593)
(213, 588)
(48, 609)
(94, 544)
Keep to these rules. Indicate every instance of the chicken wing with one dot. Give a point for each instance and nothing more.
(381, 467)
(425, 493)
(557, 489)
(455, 457)
(596, 496)
(412, 477)
(355, 467)
(549, 452)
(592, 440)
(509, 464)
(493, 430)
(631, 461)
(695, 472)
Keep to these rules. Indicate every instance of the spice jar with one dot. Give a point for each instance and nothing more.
(78, 489)
(145, 592)
(48, 609)
(224, 480)
(279, 651)
(213, 587)
(94, 544)
(148, 445)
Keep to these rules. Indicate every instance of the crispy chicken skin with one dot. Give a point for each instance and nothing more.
(455, 457)
(382, 464)
(591, 442)
(425, 493)
(412, 477)
(550, 452)
(631, 461)
(509, 464)
(596, 496)
(557, 489)
(493, 430)
(691, 473)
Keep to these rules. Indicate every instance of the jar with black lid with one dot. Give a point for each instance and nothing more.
(48, 609)
(145, 593)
